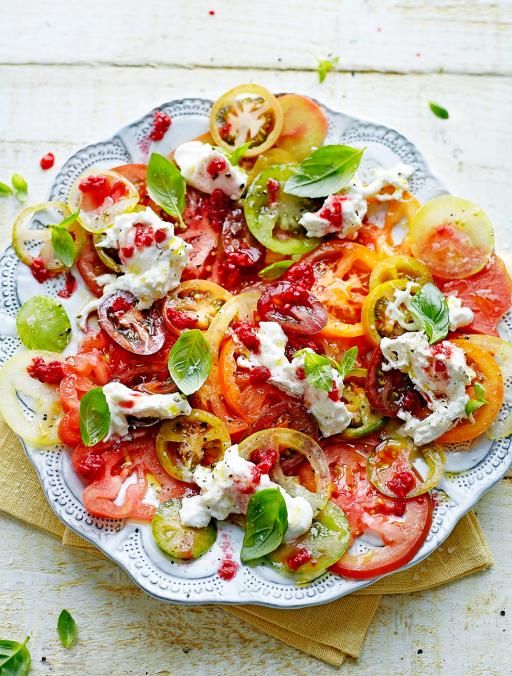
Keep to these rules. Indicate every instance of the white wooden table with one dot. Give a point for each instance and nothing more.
(72, 72)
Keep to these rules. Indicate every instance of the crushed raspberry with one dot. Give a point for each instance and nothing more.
(39, 270)
(69, 286)
(216, 165)
(144, 235)
(259, 374)
(127, 404)
(127, 252)
(90, 466)
(300, 373)
(402, 483)
(211, 12)
(46, 372)
(160, 235)
(161, 123)
(300, 273)
(264, 459)
(399, 506)
(180, 320)
(334, 394)
(228, 568)
(273, 188)
(247, 335)
(120, 304)
(217, 207)
(333, 212)
(47, 161)
(301, 556)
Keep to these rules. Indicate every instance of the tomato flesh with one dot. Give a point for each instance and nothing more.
(293, 307)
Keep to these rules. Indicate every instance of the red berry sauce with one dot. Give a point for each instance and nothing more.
(161, 123)
(47, 161)
(46, 372)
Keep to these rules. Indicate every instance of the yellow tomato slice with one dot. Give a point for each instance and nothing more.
(305, 126)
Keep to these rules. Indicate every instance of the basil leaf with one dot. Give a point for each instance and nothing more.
(347, 362)
(5, 190)
(326, 171)
(438, 110)
(430, 308)
(94, 416)
(325, 66)
(238, 153)
(166, 186)
(318, 370)
(190, 361)
(474, 404)
(275, 270)
(266, 524)
(14, 658)
(63, 245)
(66, 627)
(20, 187)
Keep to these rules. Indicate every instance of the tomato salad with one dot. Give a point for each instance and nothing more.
(270, 340)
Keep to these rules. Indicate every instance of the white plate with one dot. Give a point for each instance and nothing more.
(130, 544)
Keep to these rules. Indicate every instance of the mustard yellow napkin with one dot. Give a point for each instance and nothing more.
(329, 632)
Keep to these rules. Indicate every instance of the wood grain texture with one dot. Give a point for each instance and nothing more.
(457, 36)
(74, 72)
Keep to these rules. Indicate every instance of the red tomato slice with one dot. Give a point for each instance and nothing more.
(91, 266)
(402, 527)
(488, 294)
(287, 413)
(202, 234)
(293, 307)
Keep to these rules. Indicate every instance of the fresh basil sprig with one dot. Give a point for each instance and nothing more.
(266, 524)
(325, 66)
(190, 361)
(94, 416)
(326, 171)
(479, 400)
(318, 368)
(438, 110)
(66, 628)
(20, 187)
(275, 270)
(166, 186)
(14, 658)
(236, 155)
(62, 241)
(430, 309)
(347, 362)
(5, 190)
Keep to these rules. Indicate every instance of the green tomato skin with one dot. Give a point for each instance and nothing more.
(43, 324)
(262, 218)
(177, 540)
(327, 540)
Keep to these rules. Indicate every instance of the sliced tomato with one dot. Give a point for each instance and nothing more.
(286, 413)
(138, 331)
(402, 525)
(305, 126)
(293, 307)
(193, 305)
(91, 266)
(202, 232)
(488, 294)
(239, 247)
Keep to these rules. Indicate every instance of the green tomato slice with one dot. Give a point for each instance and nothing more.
(31, 408)
(276, 224)
(177, 540)
(325, 542)
(43, 323)
(364, 419)
(31, 236)
(391, 468)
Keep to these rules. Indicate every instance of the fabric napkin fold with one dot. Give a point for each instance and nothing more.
(329, 632)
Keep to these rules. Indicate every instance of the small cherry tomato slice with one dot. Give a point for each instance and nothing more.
(91, 266)
(305, 126)
(454, 237)
(138, 331)
(364, 420)
(390, 391)
(247, 113)
(402, 525)
(399, 267)
(190, 440)
(391, 468)
(273, 216)
(376, 322)
(488, 374)
(488, 294)
(193, 305)
(177, 540)
(293, 307)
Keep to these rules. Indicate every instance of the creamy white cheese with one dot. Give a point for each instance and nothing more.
(194, 158)
(332, 416)
(226, 489)
(395, 310)
(459, 314)
(440, 372)
(397, 177)
(149, 271)
(351, 207)
(122, 402)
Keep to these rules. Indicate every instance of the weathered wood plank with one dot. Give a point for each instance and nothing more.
(462, 36)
